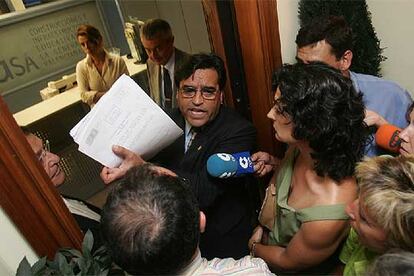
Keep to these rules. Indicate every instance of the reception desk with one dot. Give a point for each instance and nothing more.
(65, 99)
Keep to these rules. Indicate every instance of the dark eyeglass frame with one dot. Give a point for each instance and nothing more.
(207, 92)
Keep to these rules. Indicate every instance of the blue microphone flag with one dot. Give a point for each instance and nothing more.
(225, 165)
(244, 163)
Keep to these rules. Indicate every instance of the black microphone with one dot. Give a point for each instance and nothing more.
(225, 165)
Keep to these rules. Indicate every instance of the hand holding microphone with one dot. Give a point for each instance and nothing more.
(387, 137)
(373, 119)
(264, 163)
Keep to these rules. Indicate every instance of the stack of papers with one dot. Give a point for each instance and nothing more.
(128, 117)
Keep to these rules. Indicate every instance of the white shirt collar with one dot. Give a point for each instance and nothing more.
(170, 64)
(197, 265)
(187, 128)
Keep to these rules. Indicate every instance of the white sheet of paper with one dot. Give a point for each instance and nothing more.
(128, 117)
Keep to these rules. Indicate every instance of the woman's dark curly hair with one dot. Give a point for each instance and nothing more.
(327, 112)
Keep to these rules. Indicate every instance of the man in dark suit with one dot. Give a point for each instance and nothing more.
(86, 215)
(209, 128)
(163, 60)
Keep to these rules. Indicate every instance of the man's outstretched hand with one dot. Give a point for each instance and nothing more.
(130, 159)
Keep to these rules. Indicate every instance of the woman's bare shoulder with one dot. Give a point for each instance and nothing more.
(347, 189)
(333, 192)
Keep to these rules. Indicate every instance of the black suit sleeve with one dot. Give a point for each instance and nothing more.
(141, 79)
(231, 139)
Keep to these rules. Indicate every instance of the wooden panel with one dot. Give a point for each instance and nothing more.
(259, 39)
(28, 196)
(216, 42)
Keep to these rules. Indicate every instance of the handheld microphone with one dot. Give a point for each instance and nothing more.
(387, 137)
(225, 165)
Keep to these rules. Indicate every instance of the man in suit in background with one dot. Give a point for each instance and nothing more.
(209, 128)
(163, 61)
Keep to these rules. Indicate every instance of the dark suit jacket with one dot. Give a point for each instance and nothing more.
(154, 75)
(86, 224)
(227, 203)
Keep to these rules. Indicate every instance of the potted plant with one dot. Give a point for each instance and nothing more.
(69, 261)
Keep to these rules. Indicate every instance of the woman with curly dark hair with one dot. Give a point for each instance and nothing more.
(320, 116)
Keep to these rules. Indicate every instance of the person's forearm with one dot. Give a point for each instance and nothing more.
(274, 256)
(270, 254)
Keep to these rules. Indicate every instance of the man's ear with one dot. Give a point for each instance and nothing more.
(222, 97)
(346, 61)
(202, 222)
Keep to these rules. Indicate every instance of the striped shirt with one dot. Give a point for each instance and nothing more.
(229, 266)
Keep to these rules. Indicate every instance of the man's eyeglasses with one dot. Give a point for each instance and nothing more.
(208, 93)
(45, 150)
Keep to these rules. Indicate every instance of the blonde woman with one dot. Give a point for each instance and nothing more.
(382, 218)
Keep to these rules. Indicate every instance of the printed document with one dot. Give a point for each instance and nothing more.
(128, 117)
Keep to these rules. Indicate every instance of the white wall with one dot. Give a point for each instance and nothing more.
(393, 22)
(13, 247)
(287, 12)
(185, 17)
